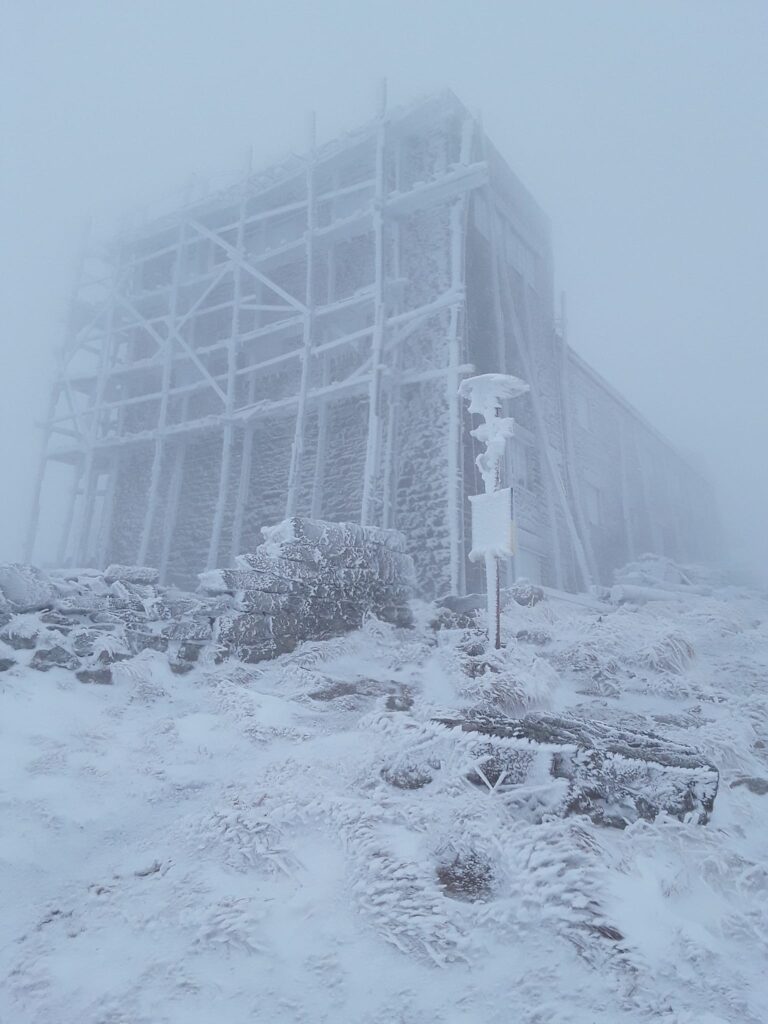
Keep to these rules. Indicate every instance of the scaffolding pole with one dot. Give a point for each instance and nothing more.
(167, 345)
(228, 433)
(297, 448)
(454, 451)
(371, 469)
(89, 474)
(244, 483)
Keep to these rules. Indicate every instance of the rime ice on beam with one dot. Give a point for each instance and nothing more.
(485, 394)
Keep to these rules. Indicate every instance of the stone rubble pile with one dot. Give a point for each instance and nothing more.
(310, 580)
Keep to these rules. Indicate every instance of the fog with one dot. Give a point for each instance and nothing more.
(640, 129)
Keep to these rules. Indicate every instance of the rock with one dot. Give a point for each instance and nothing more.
(137, 575)
(180, 668)
(309, 580)
(47, 658)
(330, 536)
(200, 630)
(19, 642)
(25, 587)
(337, 690)
(262, 564)
(243, 630)
(450, 618)
(615, 775)
(99, 676)
(189, 651)
(396, 615)
(139, 640)
(6, 663)
(54, 619)
(267, 603)
(402, 700)
(233, 581)
(253, 653)
(21, 632)
(525, 593)
(538, 637)
(407, 776)
(103, 645)
(754, 785)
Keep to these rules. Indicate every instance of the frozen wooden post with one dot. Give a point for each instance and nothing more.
(492, 511)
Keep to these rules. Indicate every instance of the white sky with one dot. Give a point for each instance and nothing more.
(639, 125)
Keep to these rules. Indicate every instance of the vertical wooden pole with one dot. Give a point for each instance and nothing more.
(371, 470)
(244, 486)
(318, 482)
(105, 526)
(228, 433)
(454, 474)
(172, 508)
(626, 502)
(90, 475)
(157, 460)
(34, 517)
(71, 335)
(66, 532)
(297, 449)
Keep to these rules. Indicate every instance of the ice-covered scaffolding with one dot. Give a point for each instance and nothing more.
(295, 345)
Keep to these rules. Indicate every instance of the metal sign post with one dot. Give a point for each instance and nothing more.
(492, 512)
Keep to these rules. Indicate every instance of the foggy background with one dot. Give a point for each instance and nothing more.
(639, 125)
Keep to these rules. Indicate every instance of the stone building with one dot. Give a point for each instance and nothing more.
(294, 345)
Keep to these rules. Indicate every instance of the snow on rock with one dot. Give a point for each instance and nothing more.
(311, 580)
(301, 839)
(615, 775)
(24, 588)
(136, 574)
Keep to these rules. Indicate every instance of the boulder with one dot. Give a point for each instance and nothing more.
(136, 575)
(25, 587)
(46, 658)
(97, 676)
(22, 631)
(525, 593)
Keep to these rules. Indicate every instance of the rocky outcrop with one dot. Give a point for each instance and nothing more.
(614, 776)
(310, 580)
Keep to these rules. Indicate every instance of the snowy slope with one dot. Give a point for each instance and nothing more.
(236, 844)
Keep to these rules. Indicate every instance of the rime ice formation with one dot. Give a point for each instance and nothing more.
(614, 775)
(301, 839)
(309, 580)
(295, 344)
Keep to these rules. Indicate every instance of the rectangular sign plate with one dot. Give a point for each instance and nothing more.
(493, 528)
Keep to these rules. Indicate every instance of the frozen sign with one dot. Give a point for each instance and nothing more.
(493, 528)
(492, 525)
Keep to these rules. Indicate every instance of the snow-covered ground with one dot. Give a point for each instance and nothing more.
(228, 845)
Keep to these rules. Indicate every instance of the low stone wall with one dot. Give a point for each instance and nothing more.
(310, 580)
